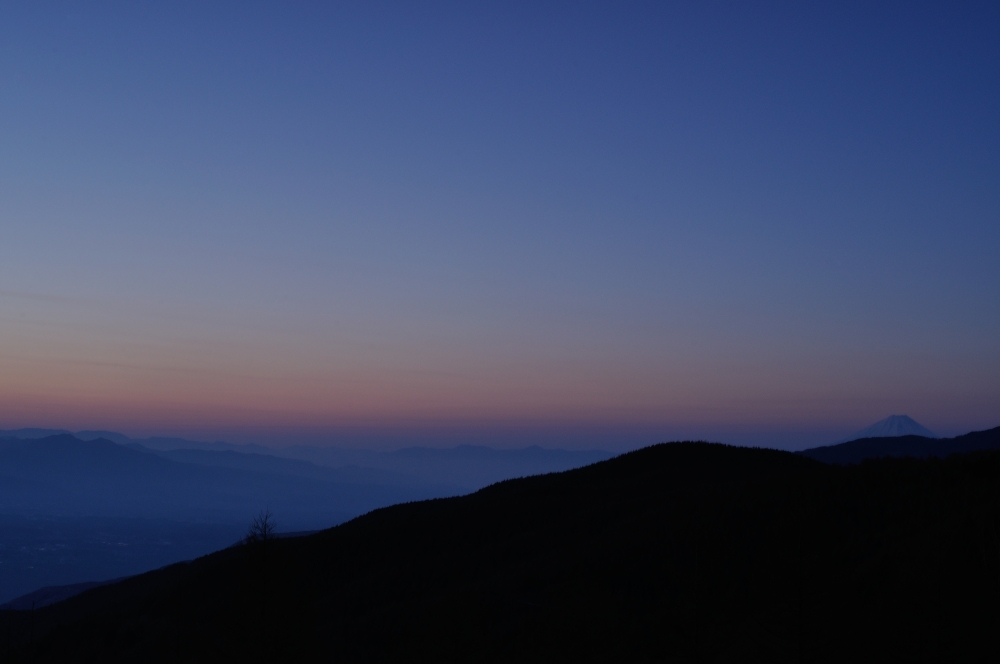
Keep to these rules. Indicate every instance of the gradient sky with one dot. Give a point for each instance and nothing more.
(573, 224)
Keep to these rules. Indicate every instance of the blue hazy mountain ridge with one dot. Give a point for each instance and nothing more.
(468, 467)
(918, 447)
(30, 433)
(153, 443)
(166, 444)
(113, 436)
(62, 475)
(273, 464)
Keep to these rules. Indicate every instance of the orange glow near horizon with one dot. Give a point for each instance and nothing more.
(227, 391)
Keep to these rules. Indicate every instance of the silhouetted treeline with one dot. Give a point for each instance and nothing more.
(679, 552)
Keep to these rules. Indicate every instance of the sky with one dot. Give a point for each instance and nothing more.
(567, 224)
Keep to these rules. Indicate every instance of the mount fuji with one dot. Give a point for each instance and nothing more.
(893, 426)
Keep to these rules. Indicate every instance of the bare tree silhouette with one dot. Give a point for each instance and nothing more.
(261, 528)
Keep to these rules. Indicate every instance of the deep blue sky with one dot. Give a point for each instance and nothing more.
(590, 224)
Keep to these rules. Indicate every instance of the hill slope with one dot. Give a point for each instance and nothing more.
(681, 552)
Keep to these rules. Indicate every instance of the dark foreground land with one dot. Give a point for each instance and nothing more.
(678, 552)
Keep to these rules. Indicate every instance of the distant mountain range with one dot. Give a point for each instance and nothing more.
(465, 467)
(62, 475)
(155, 443)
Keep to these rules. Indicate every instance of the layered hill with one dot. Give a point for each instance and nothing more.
(464, 467)
(62, 475)
(678, 552)
(918, 447)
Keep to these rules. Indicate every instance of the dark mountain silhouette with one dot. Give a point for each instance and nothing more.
(918, 447)
(893, 426)
(678, 552)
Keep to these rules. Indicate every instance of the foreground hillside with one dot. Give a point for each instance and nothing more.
(679, 552)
